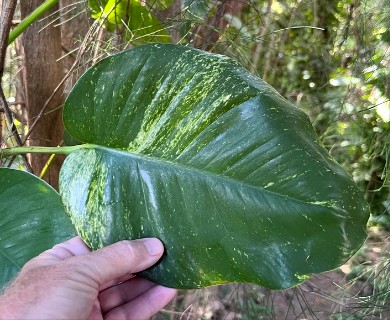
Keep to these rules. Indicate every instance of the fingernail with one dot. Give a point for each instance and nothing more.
(154, 246)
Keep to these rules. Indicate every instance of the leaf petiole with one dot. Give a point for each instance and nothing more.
(51, 150)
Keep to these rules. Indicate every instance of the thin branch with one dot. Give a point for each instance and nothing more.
(9, 116)
(349, 116)
(290, 28)
(8, 10)
(7, 14)
(264, 29)
(5, 27)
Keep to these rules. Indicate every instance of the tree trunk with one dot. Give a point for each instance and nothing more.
(207, 35)
(74, 27)
(41, 74)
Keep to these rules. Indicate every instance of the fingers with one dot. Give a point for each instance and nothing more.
(118, 259)
(115, 282)
(61, 251)
(144, 306)
(123, 293)
(67, 249)
(69, 276)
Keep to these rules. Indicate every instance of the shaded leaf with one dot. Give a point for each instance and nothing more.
(32, 220)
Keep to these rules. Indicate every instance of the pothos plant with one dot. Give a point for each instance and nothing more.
(189, 147)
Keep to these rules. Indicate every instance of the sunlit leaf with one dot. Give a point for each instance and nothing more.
(189, 147)
(130, 17)
(159, 4)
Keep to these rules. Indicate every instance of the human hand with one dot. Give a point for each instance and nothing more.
(70, 282)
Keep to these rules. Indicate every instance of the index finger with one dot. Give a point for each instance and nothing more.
(118, 259)
(62, 251)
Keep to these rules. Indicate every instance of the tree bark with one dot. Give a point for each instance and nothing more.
(74, 27)
(41, 74)
(207, 35)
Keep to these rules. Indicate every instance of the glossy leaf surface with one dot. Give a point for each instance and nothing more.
(214, 162)
(32, 220)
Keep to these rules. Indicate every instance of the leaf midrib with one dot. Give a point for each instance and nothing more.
(166, 162)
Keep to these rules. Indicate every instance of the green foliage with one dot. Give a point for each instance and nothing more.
(338, 75)
(32, 220)
(159, 4)
(202, 155)
(189, 147)
(131, 18)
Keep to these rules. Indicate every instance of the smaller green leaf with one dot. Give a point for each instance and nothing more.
(115, 13)
(159, 4)
(132, 18)
(143, 27)
(96, 7)
(32, 220)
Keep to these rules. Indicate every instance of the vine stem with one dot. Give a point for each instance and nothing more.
(29, 20)
(43, 150)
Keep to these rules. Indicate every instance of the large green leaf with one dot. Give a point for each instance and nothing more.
(214, 162)
(32, 220)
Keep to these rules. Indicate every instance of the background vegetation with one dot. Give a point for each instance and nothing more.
(330, 58)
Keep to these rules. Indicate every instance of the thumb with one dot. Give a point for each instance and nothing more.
(119, 259)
